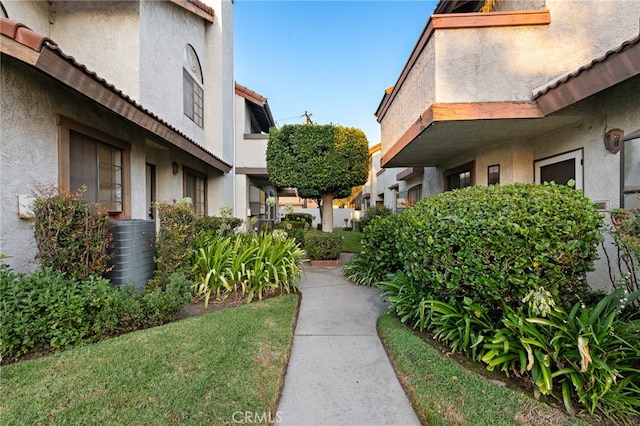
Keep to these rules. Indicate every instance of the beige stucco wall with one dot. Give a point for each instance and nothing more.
(507, 63)
(35, 13)
(251, 149)
(31, 106)
(104, 36)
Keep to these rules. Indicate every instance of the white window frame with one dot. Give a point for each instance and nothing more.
(579, 168)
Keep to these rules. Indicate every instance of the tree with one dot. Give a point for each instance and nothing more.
(323, 159)
(317, 197)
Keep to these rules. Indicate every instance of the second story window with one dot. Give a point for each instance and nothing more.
(193, 92)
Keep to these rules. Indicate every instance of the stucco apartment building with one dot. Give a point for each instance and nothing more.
(134, 99)
(533, 91)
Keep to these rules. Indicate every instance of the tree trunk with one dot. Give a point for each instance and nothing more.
(327, 212)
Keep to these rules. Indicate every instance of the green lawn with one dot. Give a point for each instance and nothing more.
(202, 370)
(444, 393)
(351, 241)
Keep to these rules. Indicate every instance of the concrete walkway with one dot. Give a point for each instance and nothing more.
(339, 373)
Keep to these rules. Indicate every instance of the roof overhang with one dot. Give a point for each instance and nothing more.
(258, 106)
(44, 55)
(614, 67)
(258, 175)
(198, 8)
(444, 131)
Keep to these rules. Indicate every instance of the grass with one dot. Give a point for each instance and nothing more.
(444, 393)
(200, 370)
(351, 240)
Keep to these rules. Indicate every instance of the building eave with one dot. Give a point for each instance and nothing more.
(19, 42)
(615, 66)
(258, 105)
(198, 8)
(446, 130)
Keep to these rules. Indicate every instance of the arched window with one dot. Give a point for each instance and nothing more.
(192, 86)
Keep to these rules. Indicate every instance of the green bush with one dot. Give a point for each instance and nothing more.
(373, 212)
(322, 245)
(300, 217)
(295, 229)
(47, 310)
(226, 226)
(626, 236)
(174, 250)
(162, 306)
(72, 235)
(493, 244)
(380, 255)
(587, 353)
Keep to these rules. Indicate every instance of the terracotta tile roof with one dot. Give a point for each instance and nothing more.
(23, 34)
(249, 94)
(567, 77)
(258, 106)
(34, 41)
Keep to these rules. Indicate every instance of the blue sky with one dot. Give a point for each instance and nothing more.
(333, 59)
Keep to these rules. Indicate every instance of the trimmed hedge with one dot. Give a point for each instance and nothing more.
(493, 244)
(300, 217)
(322, 245)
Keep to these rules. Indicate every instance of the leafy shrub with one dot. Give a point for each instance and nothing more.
(590, 353)
(357, 271)
(162, 306)
(379, 256)
(493, 244)
(226, 226)
(174, 250)
(248, 265)
(300, 217)
(48, 310)
(373, 212)
(405, 298)
(72, 234)
(626, 236)
(323, 245)
(295, 229)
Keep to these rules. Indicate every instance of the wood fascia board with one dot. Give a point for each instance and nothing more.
(485, 111)
(447, 112)
(600, 76)
(55, 66)
(492, 19)
(17, 50)
(464, 20)
(194, 9)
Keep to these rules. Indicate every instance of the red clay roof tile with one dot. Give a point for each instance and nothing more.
(23, 34)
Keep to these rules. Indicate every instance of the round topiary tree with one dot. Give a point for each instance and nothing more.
(322, 159)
